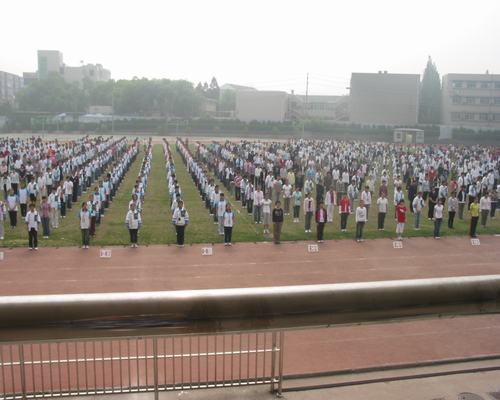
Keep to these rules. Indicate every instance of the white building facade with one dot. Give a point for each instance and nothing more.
(471, 100)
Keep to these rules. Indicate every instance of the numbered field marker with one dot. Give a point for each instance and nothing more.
(105, 253)
(312, 248)
(397, 244)
(475, 242)
(207, 251)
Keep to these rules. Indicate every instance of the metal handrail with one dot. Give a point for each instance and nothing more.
(49, 317)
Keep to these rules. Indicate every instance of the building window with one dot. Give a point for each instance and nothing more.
(471, 85)
(483, 116)
(497, 85)
(496, 117)
(484, 101)
(484, 85)
(497, 101)
(455, 116)
(469, 100)
(468, 116)
(457, 84)
(457, 100)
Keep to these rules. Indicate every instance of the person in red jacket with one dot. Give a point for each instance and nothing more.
(401, 218)
(320, 221)
(344, 211)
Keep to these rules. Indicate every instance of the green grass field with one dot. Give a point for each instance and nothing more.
(157, 228)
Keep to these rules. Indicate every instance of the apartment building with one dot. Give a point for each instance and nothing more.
(471, 100)
(10, 84)
(384, 99)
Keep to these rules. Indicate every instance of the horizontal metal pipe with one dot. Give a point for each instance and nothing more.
(188, 311)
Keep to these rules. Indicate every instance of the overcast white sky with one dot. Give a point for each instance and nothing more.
(269, 44)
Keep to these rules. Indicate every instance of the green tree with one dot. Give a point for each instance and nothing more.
(429, 111)
(53, 95)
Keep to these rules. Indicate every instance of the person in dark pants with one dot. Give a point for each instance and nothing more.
(277, 218)
(32, 219)
(344, 210)
(180, 219)
(133, 223)
(361, 219)
(474, 217)
(320, 221)
(433, 198)
(452, 209)
(228, 222)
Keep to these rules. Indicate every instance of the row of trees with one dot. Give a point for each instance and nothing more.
(145, 97)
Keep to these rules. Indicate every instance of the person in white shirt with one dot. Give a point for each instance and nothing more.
(32, 220)
(266, 212)
(12, 208)
(258, 196)
(361, 218)
(54, 208)
(221, 208)
(366, 196)
(330, 202)
(228, 220)
(68, 192)
(309, 209)
(418, 204)
(287, 195)
(382, 211)
(133, 223)
(485, 207)
(180, 219)
(84, 217)
(398, 196)
(438, 219)
(23, 199)
(3, 212)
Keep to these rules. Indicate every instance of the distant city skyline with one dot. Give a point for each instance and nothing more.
(267, 45)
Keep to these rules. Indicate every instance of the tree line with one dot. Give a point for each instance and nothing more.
(139, 97)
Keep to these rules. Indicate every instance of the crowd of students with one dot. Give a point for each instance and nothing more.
(50, 176)
(321, 175)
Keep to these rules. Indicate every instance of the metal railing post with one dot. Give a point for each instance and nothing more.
(155, 365)
(280, 371)
(21, 371)
(273, 360)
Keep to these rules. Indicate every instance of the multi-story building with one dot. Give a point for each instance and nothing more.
(261, 105)
(384, 99)
(471, 100)
(10, 84)
(51, 61)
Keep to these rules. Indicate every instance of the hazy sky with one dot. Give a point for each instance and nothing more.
(267, 44)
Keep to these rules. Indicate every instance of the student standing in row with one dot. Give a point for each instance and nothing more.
(277, 222)
(3, 213)
(417, 205)
(180, 219)
(400, 218)
(266, 212)
(84, 217)
(361, 219)
(221, 209)
(45, 211)
(485, 207)
(23, 199)
(12, 208)
(228, 220)
(297, 200)
(452, 209)
(474, 217)
(366, 196)
(330, 202)
(438, 219)
(308, 212)
(344, 211)
(32, 220)
(382, 210)
(321, 218)
(133, 223)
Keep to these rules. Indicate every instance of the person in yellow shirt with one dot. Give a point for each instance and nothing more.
(474, 217)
